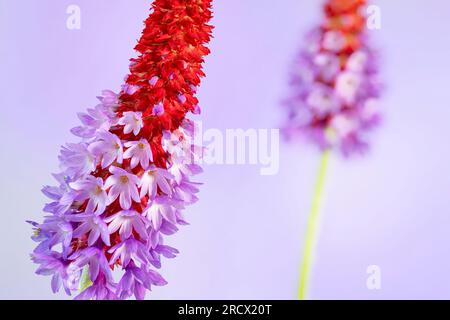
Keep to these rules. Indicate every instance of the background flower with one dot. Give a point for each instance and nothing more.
(332, 81)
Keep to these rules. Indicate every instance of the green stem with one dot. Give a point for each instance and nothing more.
(312, 227)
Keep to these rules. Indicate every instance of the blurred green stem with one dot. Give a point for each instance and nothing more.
(312, 228)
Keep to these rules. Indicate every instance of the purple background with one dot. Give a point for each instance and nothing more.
(390, 209)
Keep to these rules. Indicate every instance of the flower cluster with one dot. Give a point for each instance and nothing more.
(335, 99)
(124, 186)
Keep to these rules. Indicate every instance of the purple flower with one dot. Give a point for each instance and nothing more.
(136, 280)
(347, 85)
(108, 147)
(38, 235)
(153, 81)
(54, 193)
(95, 119)
(126, 221)
(370, 115)
(327, 65)
(130, 89)
(93, 225)
(95, 259)
(193, 88)
(158, 109)
(59, 231)
(186, 191)
(139, 152)
(155, 236)
(322, 100)
(159, 209)
(197, 109)
(123, 185)
(132, 122)
(358, 62)
(129, 250)
(101, 289)
(180, 169)
(167, 228)
(76, 160)
(161, 250)
(63, 195)
(53, 264)
(91, 188)
(153, 178)
(110, 101)
(181, 98)
(343, 126)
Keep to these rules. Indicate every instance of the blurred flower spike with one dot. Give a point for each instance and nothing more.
(335, 87)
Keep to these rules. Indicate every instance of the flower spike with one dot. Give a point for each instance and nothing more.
(117, 198)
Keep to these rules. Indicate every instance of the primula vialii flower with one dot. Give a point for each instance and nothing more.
(335, 88)
(124, 185)
(334, 101)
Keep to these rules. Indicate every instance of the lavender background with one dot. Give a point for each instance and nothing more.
(389, 209)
